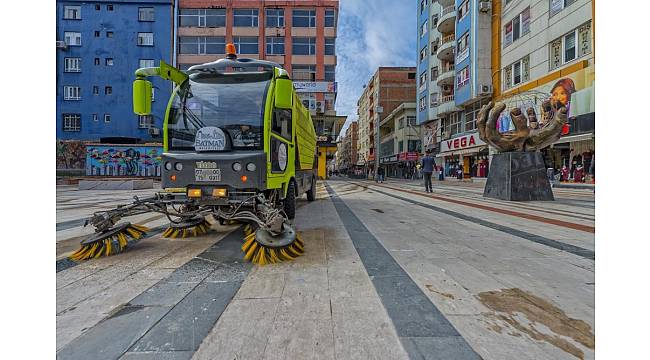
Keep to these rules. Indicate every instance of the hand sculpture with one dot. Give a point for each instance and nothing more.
(525, 137)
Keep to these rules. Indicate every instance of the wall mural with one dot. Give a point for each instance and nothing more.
(123, 160)
(70, 154)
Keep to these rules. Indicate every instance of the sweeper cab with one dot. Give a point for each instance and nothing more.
(239, 146)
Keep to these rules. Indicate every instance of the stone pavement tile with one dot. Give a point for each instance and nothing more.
(438, 348)
(363, 330)
(467, 276)
(164, 293)
(261, 285)
(308, 306)
(155, 355)
(378, 262)
(300, 339)
(349, 280)
(301, 282)
(185, 326)
(241, 332)
(112, 337)
(187, 251)
(194, 270)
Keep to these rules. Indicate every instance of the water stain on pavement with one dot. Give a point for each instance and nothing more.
(508, 303)
(430, 288)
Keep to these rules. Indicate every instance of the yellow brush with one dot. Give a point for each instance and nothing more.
(109, 242)
(193, 227)
(257, 252)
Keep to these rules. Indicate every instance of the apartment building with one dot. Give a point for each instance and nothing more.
(347, 148)
(400, 141)
(99, 46)
(299, 35)
(546, 52)
(454, 81)
(386, 90)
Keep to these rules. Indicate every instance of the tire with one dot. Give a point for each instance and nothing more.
(311, 193)
(290, 201)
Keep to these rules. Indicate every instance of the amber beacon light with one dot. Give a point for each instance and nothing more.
(231, 51)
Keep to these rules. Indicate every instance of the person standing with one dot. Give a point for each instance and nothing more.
(428, 164)
(380, 174)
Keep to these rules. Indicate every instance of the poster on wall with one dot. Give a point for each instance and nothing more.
(121, 160)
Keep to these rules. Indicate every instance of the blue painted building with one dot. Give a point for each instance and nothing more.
(100, 44)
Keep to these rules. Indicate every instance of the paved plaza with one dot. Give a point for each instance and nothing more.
(389, 272)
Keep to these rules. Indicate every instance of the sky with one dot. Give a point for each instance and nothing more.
(371, 33)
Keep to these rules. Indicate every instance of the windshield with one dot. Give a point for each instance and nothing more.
(233, 103)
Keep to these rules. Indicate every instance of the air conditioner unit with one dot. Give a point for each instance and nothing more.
(485, 89)
(320, 107)
(484, 6)
(154, 131)
(61, 45)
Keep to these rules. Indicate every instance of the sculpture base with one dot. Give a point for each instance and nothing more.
(518, 176)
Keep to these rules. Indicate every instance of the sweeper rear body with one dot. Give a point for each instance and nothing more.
(239, 146)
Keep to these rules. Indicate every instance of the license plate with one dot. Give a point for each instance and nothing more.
(207, 174)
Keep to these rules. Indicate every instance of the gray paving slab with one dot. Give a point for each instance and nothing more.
(300, 339)
(157, 355)
(164, 293)
(437, 348)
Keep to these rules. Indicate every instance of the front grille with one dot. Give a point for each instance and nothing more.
(240, 196)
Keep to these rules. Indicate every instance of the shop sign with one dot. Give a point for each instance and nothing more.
(462, 142)
(388, 159)
(408, 156)
(315, 86)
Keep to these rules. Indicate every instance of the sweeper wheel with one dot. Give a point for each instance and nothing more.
(192, 227)
(260, 247)
(109, 242)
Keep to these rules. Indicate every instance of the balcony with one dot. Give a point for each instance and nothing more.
(447, 20)
(446, 3)
(386, 137)
(446, 49)
(447, 105)
(447, 77)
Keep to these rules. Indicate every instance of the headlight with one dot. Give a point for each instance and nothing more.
(168, 165)
(178, 166)
(251, 167)
(236, 166)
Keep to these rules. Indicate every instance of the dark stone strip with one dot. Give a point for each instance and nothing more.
(585, 253)
(170, 319)
(65, 225)
(423, 330)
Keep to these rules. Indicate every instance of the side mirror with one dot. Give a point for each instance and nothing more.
(283, 94)
(142, 97)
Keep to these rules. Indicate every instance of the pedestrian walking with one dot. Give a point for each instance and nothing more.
(428, 164)
(459, 172)
(380, 174)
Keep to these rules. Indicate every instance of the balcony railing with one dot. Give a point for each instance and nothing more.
(447, 10)
(448, 38)
(446, 98)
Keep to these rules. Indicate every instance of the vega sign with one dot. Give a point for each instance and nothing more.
(462, 142)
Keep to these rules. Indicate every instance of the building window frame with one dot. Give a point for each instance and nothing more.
(519, 26)
(274, 18)
(108, 90)
(145, 39)
(422, 80)
(71, 12)
(308, 43)
(463, 10)
(423, 103)
(462, 78)
(107, 118)
(146, 14)
(424, 28)
(245, 17)
(145, 63)
(330, 46)
(246, 42)
(95, 90)
(298, 71)
(71, 122)
(72, 38)
(275, 45)
(71, 92)
(582, 46)
(109, 62)
(330, 73)
(203, 45)
(330, 17)
(210, 18)
(556, 6)
(145, 121)
(304, 18)
(72, 65)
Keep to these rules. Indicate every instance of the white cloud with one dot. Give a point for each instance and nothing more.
(371, 34)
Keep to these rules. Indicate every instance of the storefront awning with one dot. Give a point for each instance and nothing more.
(572, 138)
(462, 151)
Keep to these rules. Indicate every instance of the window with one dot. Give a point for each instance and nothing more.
(95, 90)
(109, 34)
(274, 17)
(145, 39)
(72, 12)
(245, 18)
(97, 33)
(462, 48)
(413, 145)
(145, 121)
(434, 46)
(423, 78)
(72, 38)
(146, 14)
(304, 72)
(97, 7)
(71, 122)
(453, 124)
(304, 46)
(570, 47)
(309, 101)
(71, 93)
(516, 73)
(462, 78)
(281, 123)
(330, 71)
(422, 5)
(424, 28)
(304, 18)
(145, 63)
(96, 61)
(274, 45)
(411, 75)
(517, 27)
(423, 54)
(330, 46)
(434, 99)
(72, 65)
(330, 18)
(109, 61)
(202, 18)
(201, 45)
(410, 120)
(246, 44)
(108, 90)
(434, 20)
(95, 117)
(153, 94)
(423, 103)
(557, 5)
(434, 73)
(109, 7)
(463, 10)
(400, 124)
(107, 118)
